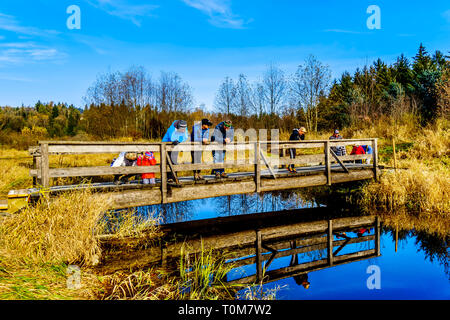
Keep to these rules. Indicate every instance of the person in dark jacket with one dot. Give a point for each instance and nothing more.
(200, 133)
(223, 134)
(297, 134)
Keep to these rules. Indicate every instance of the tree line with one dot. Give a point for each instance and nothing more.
(134, 104)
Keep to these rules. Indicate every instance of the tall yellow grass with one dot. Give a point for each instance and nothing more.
(57, 230)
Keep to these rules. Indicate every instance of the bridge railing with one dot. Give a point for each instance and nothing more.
(256, 155)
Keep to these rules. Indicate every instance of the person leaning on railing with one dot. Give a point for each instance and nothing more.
(177, 133)
(223, 134)
(200, 133)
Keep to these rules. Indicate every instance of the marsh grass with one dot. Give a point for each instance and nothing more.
(422, 183)
(40, 242)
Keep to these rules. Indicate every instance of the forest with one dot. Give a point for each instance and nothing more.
(132, 104)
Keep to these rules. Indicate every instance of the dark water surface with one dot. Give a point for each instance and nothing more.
(419, 269)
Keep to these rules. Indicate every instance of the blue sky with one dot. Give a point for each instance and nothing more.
(202, 40)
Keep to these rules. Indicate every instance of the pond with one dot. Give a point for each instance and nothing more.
(410, 264)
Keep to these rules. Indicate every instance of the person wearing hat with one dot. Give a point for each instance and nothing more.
(200, 133)
(302, 278)
(223, 134)
(297, 134)
(177, 133)
(338, 150)
(148, 159)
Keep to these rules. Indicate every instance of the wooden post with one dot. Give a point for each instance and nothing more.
(45, 177)
(163, 173)
(259, 273)
(375, 158)
(377, 236)
(37, 166)
(330, 242)
(257, 166)
(327, 161)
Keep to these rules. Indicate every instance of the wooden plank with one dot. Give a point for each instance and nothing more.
(327, 162)
(342, 142)
(377, 236)
(301, 145)
(101, 148)
(188, 147)
(209, 166)
(100, 171)
(375, 157)
(45, 175)
(330, 242)
(257, 166)
(258, 245)
(163, 168)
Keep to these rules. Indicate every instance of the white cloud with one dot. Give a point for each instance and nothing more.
(219, 12)
(27, 52)
(125, 10)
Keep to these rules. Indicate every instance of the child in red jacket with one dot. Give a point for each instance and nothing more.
(148, 159)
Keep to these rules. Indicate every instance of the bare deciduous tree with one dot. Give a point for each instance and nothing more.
(309, 83)
(225, 97)
(242, 101)
(274, 85)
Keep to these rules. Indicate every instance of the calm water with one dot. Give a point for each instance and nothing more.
(418, 270)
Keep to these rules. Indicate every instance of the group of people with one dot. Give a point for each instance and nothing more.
(299, 134)
(223, 134)
(178, 133)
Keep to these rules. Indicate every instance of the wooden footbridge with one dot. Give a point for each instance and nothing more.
(251, 240)
(258, 167)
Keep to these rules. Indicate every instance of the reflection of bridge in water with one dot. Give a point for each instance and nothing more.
(256, 242)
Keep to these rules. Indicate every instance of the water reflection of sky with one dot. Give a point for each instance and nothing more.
(418, 270)
(226, 206)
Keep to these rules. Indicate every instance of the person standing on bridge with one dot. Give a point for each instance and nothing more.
(177, 133)
(200, 133)
(223, 134)
(297, 134)
(338, 150)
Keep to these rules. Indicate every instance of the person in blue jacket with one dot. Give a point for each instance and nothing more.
(368, 150)
(177, 133)
(200, 133)
(223, 134)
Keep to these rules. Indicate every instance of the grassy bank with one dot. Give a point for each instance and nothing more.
(421, 181)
